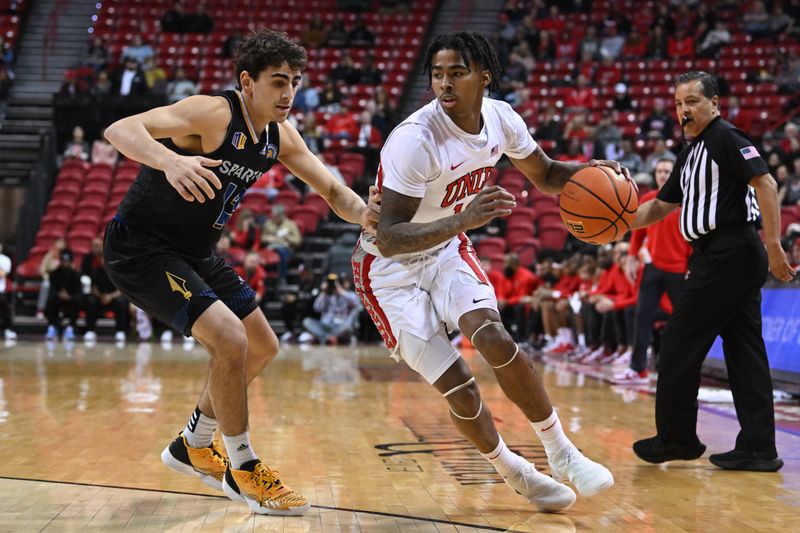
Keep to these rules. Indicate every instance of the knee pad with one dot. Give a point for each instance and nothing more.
(486, 324)
(457, 388)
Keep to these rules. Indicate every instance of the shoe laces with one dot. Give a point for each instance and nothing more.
(265, 477)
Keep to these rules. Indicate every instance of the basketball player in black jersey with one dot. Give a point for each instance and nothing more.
(199, 156)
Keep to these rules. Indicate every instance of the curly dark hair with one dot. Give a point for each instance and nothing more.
(472, 46)
(267, 48)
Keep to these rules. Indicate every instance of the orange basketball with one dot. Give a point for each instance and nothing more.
(598, 205)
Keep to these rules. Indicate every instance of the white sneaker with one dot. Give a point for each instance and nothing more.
(119, 336)
(287, 336)
(10, 335)
(166, 337)
(305, 338)
(90, 337)
(588, 477)
(543, 491)
(623, 359)
(188, 343)
(631, 377)
(69, 334)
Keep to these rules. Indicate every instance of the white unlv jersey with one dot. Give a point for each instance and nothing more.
(427, 156)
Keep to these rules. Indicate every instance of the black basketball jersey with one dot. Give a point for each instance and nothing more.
(154, 206)
(711, 178)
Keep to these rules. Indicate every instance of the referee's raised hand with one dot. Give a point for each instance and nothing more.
(779, 263)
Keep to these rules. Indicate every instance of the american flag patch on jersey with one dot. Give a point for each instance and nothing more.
(749, 152)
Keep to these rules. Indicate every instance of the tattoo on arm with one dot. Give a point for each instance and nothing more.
(396, 235)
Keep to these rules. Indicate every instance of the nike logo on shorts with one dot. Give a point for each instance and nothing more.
(481, 300)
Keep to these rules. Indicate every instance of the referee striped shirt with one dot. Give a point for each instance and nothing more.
(711, 178)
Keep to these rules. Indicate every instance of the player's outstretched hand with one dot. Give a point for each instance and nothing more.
(616, 167)
(491, 202)
(779, 264)
(189, 176)
(372, 211)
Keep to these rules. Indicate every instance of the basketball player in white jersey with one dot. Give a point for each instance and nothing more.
(421, 278)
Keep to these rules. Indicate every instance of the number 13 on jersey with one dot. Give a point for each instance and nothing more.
(229, 205)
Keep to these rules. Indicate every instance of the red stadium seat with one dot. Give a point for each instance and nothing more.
(527, 250)
(287, 198)
(490, 246)
(319, 204)
(306, 215)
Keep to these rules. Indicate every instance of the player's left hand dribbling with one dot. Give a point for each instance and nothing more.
(616, 167)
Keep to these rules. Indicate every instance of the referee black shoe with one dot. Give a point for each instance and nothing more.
(656, 450)
(742, 460)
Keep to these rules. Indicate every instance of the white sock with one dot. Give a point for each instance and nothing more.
(551, 434)
(200, 430)
(582, 340)
(548, 338)
(503, 459)
(239, 449)
(562, 335)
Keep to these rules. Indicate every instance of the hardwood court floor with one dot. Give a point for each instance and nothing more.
(367, 442)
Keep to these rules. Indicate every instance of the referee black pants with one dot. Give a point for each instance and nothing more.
(721, 296)
(655, 283)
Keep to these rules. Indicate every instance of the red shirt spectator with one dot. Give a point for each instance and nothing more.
(254, 274)
(520, 284)
(668, 250)
(680, 46)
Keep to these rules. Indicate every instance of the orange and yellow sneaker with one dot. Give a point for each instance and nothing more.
(263, 491)
(209, 464)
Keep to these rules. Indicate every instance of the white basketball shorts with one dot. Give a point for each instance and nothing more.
(416, 301)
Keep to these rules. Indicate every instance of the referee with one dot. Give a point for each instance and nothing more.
(725, 190)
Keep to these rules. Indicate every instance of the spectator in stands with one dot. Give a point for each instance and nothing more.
(231, 42)
(515, 71)
(311, 133)
(345, 71)
(6, 57)
(791, 136)
(780, 23)
(254, 274)
(331, 97)
(756, 21)
(547, 47)
(577, 128)
(607, 137)
(660, 152)
(281, 234)
(247, 234)
(789, 193)
(306, 99)
(104, 296)
(6, 293)
(552, 301)
(93, 259)
(663, 18)
(770, 147)
(65, 297)
(550, 128)
(337, 35)
(621, 101)
(714, 41)
(657, 43)
(138, 50)
(635, 45)
(608, 73)
(382, 111)
(680, 45)
(368, 140)
(199, 21)
(155, 76)
(72, 85)
(612, 44)
(338, 309)
(580, 97)
(314, 35)
(360, 36)
(50, 261)
(514, 292)
(628, 157)
(297, 305)
(103, 151)
(77, 147)
(659, 123)
(175, 19)
(102, 86)
(130, 80)
(575, 152)
(341, 126)
(180, 87)
(788, 75)
(97, 54)
(590, 44)
(369, 73)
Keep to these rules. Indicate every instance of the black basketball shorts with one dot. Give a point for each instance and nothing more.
(172, 286)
